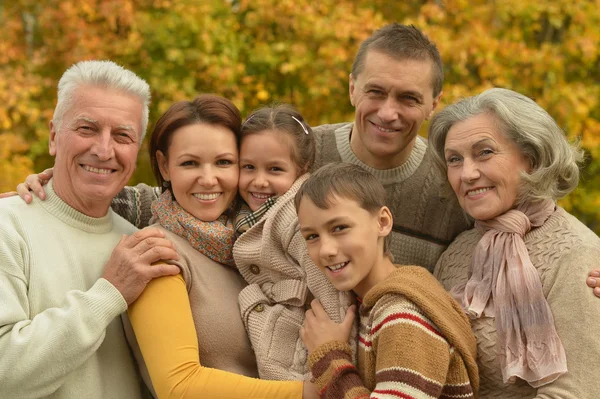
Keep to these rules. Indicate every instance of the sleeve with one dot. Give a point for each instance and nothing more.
(40, 351)
(134, 204)
(167, 338)
(404, 354)
(576, 316)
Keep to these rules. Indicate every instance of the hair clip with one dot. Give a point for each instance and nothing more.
(301, 124)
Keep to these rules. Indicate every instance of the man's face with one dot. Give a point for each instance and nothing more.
(392, 98)
(96, 148)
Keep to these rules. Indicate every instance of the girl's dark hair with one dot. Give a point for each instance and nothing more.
(206, 108)
(286, 119)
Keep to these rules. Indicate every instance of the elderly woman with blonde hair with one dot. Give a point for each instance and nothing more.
(520, 273)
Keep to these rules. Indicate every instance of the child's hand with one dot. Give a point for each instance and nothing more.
(593, 281)
(319, 329)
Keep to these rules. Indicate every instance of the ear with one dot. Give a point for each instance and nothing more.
(385, 221)
(52, 139)
(351, 88)
(435, 103)
(162, 162)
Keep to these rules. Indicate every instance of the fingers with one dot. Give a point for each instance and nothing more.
(318, 310)
(139, 236)
(157, 253)
(162, 269)
(35, 183)
(8, 194)
(592, 282)
(23, 191)
(597, 291)
(350, 316)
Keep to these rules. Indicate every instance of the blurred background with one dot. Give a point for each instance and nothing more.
(297, 51)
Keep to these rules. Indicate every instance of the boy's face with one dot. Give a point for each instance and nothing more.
(346, 242)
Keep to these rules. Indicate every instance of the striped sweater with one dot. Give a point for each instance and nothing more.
(414, 342)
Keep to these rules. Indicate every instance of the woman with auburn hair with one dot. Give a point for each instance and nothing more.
(520, 273)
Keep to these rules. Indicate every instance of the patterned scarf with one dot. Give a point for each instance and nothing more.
(504, 284)
(245, 218)
(213, 239)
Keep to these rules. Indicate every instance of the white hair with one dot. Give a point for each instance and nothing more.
(555, 161)
(105, 74)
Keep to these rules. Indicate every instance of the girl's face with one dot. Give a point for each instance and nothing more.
(267, 168)
(202, 165)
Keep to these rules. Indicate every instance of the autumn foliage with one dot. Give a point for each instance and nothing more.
(297, 51)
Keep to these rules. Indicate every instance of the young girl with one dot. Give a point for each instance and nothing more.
(276, 150)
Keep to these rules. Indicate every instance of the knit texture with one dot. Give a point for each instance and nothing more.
(424, 223)
(134, 203)
(213, 289)
(282, 280)
(60, 334)
(563, 251)
(414, 342)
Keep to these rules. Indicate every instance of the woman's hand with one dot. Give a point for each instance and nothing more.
(593, 281)
(34, 183)
(319, 329)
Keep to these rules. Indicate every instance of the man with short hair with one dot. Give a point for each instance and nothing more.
(395, 85)
(67, 270)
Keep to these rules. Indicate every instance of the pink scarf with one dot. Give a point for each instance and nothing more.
(213, 239)
(504, 284)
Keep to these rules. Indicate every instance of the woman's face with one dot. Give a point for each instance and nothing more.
(202, 165)
(484, 167)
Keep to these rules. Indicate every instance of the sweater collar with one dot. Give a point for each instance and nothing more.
(67, 214)
(385, 176)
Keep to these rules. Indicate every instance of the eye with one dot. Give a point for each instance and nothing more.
(248, 167)
(276, 169)
(485, 152)
(224, 162)
(339, 228)
(85, 128)
(452, 159)
(188, 163)
(375, 92)
(310, 237)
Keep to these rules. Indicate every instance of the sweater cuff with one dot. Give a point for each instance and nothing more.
(105, 301)
(342, 348)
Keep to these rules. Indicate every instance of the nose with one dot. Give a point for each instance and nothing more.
(389, 110)
(208, 177)
(470, 170)
(260, 180)
(328, 248)
(103, 146)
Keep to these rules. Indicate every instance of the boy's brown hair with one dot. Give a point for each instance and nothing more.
(346, 181)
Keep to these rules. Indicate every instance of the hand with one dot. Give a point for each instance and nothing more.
(310, 391)
(319, 329)
(130, 267)
(593, 281)
(34, 183)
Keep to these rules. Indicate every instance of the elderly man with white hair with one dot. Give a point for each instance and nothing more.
(69, 266)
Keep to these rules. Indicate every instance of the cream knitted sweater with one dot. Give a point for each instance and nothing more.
(424, 223)
(60, 334)
(282, 280)
(563, 251)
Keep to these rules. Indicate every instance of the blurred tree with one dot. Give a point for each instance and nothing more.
(297, 51)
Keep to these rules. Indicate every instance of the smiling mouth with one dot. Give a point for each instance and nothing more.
(338, 267)
(479, 191)
(99, 171)
(384, 130)
(207, 196)
(261, 196)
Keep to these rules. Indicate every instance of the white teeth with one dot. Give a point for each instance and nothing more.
(334, 268)
(478, 191)
(261, 196)
(96, 170)
(207, 197)
(384, 130)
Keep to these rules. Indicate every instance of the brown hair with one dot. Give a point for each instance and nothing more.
(286, 119)
(206, 108)
(347, 181)
(402, 42)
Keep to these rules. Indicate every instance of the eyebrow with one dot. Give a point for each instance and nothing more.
(328, 223)
(189, 154)
(475, 144)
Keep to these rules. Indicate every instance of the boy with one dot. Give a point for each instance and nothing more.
(414, 339)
